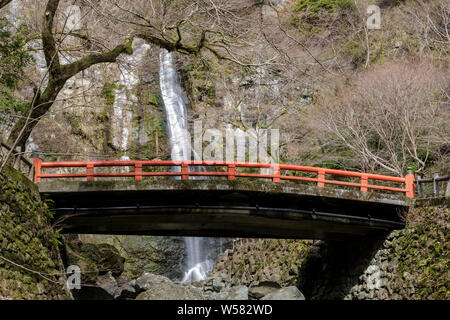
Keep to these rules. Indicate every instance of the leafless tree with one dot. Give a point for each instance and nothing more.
(432, 21)
(188, 27)
(58, 74)
(392, 117)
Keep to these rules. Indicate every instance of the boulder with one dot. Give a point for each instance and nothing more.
(287, 293)
(149, 280)
(107, 283)
(94, 259)
(263, 289)
(161, 288)
(108, 288)
(152, 254)
(238, 293)
(125, 288)
(218, 284)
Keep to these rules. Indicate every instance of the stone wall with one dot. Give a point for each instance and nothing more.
(406, 264)
(419, 256)
(411, 263)
(29, 259)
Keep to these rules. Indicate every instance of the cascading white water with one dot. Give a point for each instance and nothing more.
(199, 251)
(175, 106)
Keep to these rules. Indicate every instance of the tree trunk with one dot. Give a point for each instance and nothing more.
(4, 3)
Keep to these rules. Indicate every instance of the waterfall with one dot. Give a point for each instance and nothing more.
(200, 252)
(175, 106)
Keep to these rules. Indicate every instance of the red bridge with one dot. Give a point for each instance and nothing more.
(234, 200)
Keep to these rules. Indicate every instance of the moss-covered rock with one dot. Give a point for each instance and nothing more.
(29, 260)
(158, 255)
(252, 261)
(94, 259)
(422, 251)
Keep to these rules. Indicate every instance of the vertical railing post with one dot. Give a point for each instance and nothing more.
(321, 178)
(90, 172)
(419, 186)
(231, 171)
(435, 184)
(184, 171)
(137, 171)
(409, 183)
(276, 173)
(447, 191)
(37, 169)
(364, 183)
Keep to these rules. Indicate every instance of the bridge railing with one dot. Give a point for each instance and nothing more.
(276, 172)
(435, 180)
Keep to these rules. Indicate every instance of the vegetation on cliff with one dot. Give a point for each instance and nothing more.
(29, 260)
(13, 58)
(423, 252)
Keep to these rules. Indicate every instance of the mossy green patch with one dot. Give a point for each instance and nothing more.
(108, 92)
(27, 241)
(423, 253)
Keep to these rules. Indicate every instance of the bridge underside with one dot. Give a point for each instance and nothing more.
(220, 208)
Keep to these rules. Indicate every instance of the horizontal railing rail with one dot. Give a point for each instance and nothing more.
(183, 167)
(435, 179)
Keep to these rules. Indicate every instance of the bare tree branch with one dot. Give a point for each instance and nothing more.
(58, 74)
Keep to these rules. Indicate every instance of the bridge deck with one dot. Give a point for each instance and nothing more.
(221, 208)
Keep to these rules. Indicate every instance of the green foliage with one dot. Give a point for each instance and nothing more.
(315, 6)
(50, 203)
(356, 50)
(14, 57)
(423, 254)
(199, 82)
(313, 16)
(152, 98)
(55, 238)
(108, 92)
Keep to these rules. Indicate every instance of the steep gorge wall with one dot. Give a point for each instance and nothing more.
(151, 254)
(29, 261)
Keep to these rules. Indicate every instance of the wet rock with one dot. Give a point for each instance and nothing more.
(287, 293)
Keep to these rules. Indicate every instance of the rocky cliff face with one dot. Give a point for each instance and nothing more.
(154, 255)
(29, 260)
